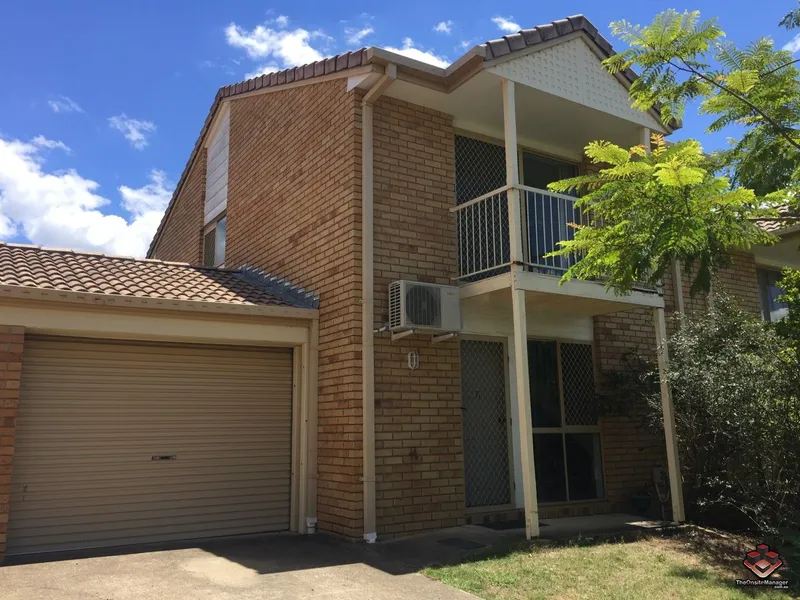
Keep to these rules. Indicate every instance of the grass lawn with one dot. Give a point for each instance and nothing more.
(695, 565)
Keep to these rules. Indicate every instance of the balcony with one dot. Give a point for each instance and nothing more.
(546, 218)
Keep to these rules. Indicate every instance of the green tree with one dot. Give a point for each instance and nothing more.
(644, 212)
(791, 20)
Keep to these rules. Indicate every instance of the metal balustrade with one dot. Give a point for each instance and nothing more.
(484, 247)
(483, 236)
(547, 219)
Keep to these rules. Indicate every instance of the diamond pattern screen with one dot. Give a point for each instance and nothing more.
(480, 168)
(577, 371)
(485, 423)
(483, 239)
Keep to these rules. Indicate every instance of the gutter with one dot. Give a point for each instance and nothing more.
(368, 299)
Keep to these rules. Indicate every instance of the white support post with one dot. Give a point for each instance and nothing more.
(673, 462)
(523, 399)
(646, 138)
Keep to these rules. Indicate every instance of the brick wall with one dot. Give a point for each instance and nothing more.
(11, 345)
(630, 451)
(419, 460)
(181, 237)
(294, 211)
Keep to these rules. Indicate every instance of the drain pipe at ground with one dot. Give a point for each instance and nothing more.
(368, 299)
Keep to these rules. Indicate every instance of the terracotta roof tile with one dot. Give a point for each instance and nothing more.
(90, 272)
(779, 224)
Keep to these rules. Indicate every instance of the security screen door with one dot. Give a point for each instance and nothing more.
(485, 423)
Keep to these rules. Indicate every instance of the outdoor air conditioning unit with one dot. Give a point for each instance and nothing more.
(423, 306)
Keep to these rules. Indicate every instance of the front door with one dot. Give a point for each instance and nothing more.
(485, 423)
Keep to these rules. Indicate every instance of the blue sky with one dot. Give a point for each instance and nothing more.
(101, 102)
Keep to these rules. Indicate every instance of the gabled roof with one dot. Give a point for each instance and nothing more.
(35, 268)
(457, 72)
(543, 33)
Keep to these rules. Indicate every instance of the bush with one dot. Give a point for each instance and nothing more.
(736, 388)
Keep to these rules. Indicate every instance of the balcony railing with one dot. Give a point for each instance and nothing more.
(484, 247)
(483, 236)
(546, 219)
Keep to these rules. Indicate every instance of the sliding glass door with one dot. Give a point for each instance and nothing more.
(566, 432)
(548, 216)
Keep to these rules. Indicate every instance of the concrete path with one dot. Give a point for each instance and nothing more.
(271, 567)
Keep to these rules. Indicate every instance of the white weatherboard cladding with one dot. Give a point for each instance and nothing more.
(217, 172)
(572, 71)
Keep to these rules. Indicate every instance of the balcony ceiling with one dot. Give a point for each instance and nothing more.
(545, 122)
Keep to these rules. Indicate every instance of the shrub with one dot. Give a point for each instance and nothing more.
(736, 388)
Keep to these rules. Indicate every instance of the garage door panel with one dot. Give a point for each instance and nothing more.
(163, 533)
(94, 413)
(152, 522)
(186, 457)
(157, 512)
(46, 541)
(72, 498)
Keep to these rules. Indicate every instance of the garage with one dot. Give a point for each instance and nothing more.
(144, 402)
(121, 443)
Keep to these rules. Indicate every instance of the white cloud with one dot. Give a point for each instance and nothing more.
(506, 24)
(43, 142)
(410, 51)
(444, 27)
(62, 104)
(354, 36)
(63, 209)
(134, 130)
(262, 70)
(287, 47)
(151, 198)
(282, 21)
(793, 45)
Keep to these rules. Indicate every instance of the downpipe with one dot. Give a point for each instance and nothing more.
(368, 299)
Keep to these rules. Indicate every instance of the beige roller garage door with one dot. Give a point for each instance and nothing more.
(124, 442)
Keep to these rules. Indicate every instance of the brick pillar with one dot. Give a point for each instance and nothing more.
(11, 344)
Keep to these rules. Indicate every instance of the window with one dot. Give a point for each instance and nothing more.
(214, 243)
(566, 432)
(769, 291)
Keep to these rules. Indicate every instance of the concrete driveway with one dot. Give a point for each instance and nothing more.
(281, 566)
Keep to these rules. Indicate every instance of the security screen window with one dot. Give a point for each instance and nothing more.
(566, 431)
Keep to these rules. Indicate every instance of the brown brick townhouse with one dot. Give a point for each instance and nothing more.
(375, 343)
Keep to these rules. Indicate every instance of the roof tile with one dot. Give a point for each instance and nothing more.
(581, 23)
(53, 269)
(604, 44)
(531, 36)
(563, 26)
(515, 41)
(498, 47)
(548, 32)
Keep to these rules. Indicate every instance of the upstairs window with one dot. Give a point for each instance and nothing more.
(769, 291)
(214, 243)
